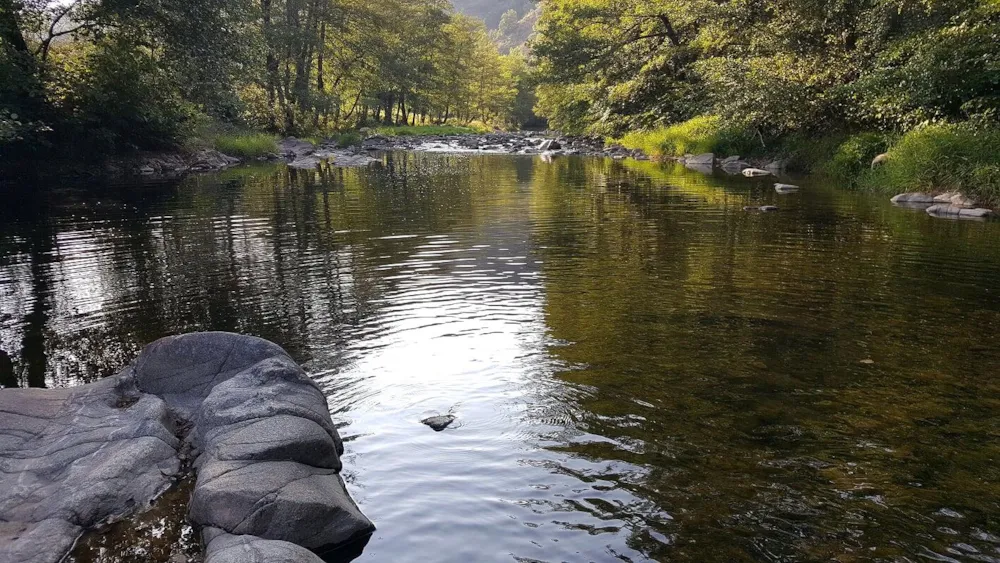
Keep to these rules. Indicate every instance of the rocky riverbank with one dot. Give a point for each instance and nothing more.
(523, 143)
(301, 154)
(238, 410)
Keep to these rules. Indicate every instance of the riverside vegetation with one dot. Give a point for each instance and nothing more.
(825, 86)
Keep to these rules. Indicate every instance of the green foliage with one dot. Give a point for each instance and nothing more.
(698, 135)
(853, 157)
(246, 145)
(940, 157)
(347, 139)
(770, 67)
(428, 130)
(118, 97)
(114, 75)
(947, 72)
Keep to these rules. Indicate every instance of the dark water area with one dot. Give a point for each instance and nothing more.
(640, 369)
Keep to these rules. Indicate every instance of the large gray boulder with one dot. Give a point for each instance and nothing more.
(268, 455)
(227, 548)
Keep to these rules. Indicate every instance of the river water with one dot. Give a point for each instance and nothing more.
(640, 369)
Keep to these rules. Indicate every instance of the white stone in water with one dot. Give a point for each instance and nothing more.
(786, 188)
(913, 197)
(755, 172)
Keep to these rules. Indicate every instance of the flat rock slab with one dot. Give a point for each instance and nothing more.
(955, 211)
(268, 454)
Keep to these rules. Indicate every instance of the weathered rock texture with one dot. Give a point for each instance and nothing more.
(267, 453)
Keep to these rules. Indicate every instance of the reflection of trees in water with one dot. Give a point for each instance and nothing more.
(723, 355)
(292, 256)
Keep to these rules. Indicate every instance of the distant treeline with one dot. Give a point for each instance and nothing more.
(113, 75)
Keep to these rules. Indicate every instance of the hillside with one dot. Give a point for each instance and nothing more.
(492, 10)
(515, 32)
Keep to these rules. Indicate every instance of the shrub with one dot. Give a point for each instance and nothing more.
(943, 157)
(853, 157)
(347, 139)
(699, 135)
(246, 145)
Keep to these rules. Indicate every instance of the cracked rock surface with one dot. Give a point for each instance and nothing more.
(267, 454)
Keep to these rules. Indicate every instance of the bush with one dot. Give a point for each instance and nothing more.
(699, 135)
(943, 157)
(347, 139)
(853, 157)
(246, 145)
(116, 97)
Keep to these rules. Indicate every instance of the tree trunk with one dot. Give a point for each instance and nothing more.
(10, 27)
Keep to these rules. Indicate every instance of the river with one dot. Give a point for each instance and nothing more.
(640, 368)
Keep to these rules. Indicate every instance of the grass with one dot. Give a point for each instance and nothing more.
(245, 145)
(428, 130)
(346, 139)
(942, 157)
(702, 134)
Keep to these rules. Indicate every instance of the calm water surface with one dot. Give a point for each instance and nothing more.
(640, 369)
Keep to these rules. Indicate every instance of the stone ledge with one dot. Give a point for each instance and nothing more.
(265, 450)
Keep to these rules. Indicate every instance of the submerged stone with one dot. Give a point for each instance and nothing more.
(439, 423)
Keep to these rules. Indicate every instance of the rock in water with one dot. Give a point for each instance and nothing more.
(268, 454)
(755, 172)
(913, 197)
(786, 188)
(707, 159)
(956, 212)
(439, 423)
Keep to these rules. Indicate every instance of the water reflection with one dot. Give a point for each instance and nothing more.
(640, 369)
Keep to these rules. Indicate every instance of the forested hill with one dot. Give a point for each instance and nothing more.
(492, 10)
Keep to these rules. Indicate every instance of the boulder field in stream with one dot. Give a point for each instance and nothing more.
(265, 451)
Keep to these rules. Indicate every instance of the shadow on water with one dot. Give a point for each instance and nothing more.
(640, 369)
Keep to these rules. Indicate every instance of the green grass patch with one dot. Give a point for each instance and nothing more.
(942, 157)
(428, 130)
(702, 134)
(346, 139)
(245, 145)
